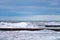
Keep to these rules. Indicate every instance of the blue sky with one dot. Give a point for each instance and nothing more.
(21, 9)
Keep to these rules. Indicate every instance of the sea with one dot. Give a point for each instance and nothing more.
(44, 34)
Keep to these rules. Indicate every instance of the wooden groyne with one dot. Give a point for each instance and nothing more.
(30, 29)
(52, 25)
(19, 29)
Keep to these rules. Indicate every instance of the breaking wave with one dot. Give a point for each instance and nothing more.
(18, 25)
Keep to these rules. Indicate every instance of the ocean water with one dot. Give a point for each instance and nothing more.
(27, 35)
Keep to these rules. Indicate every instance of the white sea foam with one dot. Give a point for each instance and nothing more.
(53, 23)
(18, 25)
(29, 35)
(26, 24)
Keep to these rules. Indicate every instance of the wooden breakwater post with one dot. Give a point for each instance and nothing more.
(30, 29)
(19, 29)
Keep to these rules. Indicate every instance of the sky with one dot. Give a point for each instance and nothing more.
(29, 9)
